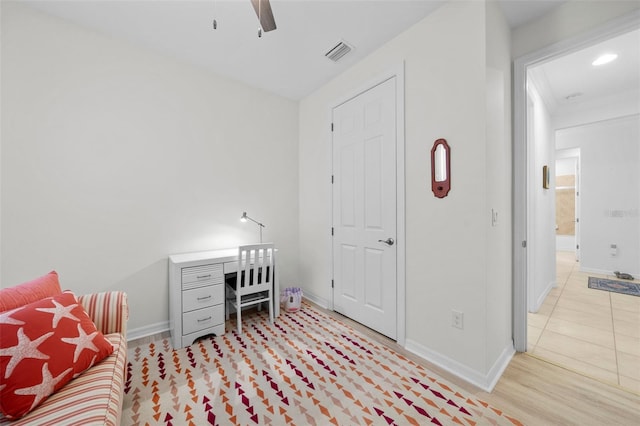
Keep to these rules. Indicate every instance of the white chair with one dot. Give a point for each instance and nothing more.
(254, 280)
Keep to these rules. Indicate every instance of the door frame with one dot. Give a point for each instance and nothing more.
(578, 208)
(573, 154)
(522, 173)
(396, 71)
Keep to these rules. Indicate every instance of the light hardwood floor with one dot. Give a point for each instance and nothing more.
(594, 332)
(540, 393)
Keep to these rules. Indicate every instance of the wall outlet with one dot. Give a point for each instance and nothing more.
(457, 319)
(613, 250)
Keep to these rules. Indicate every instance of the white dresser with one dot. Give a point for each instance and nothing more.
(197, 294)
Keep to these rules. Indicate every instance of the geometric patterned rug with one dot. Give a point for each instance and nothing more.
(624, 287)
(304, 369)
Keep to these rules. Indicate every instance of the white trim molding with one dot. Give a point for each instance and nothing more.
(323, 303)
(486, 382)
(540, 300)
(147, 330)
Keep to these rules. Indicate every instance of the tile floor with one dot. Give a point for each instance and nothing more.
(593, 332)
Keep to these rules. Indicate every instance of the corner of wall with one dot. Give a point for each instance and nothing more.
(537, 304)
(320, 301)
(498, 171)
(485, 381)
(147, 330)
(181, 133)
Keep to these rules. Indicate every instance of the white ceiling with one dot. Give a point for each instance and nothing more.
(288, 61)
(572, 79)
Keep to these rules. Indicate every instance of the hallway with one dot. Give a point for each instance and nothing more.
(593, 332)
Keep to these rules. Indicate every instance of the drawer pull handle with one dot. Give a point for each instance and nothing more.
(200, 277)
(205, 319)
(204, 297)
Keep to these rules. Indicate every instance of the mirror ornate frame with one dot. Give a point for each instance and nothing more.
(440, 168)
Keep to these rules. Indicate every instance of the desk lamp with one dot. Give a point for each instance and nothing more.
(244, 218)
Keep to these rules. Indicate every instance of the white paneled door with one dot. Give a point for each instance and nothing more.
(364, 208)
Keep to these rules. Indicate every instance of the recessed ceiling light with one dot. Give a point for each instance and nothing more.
(605, 59)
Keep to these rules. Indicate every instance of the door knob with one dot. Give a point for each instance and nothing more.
(388, 241)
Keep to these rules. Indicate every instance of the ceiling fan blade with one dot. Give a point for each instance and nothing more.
(265, 15)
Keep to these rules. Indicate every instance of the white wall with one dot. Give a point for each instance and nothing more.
(541, 202)
(114, 157)
(610, 192)
(448, 262)
(606, 108)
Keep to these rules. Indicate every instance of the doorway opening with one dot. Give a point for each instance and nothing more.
(552, 262)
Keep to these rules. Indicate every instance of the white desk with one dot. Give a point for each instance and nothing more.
(197, 294)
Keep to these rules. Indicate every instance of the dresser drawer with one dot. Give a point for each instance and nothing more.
(189, 339)
(202, 297)
(202, 318)
(198, 276)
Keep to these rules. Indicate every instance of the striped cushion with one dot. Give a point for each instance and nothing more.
(94, 398)
(109, 311)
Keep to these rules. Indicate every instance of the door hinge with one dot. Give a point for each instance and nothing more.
(577, 220)
(332, 127)
(577, 246)
(524, 244)
(331, 178)
(331, 283)
(332, 231)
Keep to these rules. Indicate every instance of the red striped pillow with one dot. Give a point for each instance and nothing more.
(43, 345)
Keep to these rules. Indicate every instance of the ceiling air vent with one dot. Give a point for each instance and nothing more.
(338, 51)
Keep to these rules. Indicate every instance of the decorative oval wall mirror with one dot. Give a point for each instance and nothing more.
(440, 168)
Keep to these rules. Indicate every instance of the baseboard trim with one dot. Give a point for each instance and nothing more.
(315, 299)
(499, 366)
(604, 272)
(543, 296)
(147, 330)
(595, 271)
(486, 382)
(161, 327)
